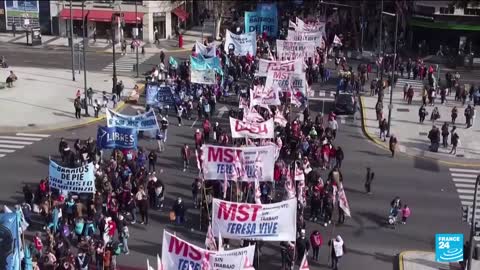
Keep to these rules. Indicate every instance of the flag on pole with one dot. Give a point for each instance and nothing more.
(159, 263)
(290, 185)
(258, 193)
(304, 263)
(343, 202)
(292, 24)
(280, 119)
(173, 62)
(337, 41)
(149, 267)
(210, 239)
(294, 99)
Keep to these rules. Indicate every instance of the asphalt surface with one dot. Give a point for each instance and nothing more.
(424, 185)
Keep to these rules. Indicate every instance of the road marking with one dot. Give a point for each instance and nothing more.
(465, 186)
(321, 94)
(15, 142)
(33, 135)
(12, 146)
(20, 138)
(342, 121)
(464, 180)
(137, 107)
(194, 122)
(466, 197)
(464, 170)
(464, 175)
(324, 99)
(6, 151)
(465, 191)
(2, 155)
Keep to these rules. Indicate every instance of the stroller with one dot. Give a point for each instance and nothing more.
(393, 217)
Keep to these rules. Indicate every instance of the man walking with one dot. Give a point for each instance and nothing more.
(78, 107)
(337, 250)
(368, 180)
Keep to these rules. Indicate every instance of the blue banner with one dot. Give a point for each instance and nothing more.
(264, 19)
(145, 121)
(116, 137)
(202, 63)
(9, 241)
(158, 95)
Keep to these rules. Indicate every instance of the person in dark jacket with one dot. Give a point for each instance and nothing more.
(339, 156)
(434, 136)
(179, 209)
(445, 134)
(302, 245)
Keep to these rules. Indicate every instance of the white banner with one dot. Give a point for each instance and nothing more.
(285, 81)
(265, 222)
(294, 66)
(291, 50)
(263, 95)
(206, 76)
(310, 27)
(145, 121)
(241, 44)
(207, 51)
(305, 36)
(240, 163)
(242, 129)
(180, 254)
(78, 180)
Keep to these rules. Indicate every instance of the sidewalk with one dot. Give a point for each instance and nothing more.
(100, 46)
(43, 98)
(425, 260)
(411, 135)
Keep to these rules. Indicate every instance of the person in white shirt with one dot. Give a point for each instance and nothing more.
(333, 125)
(337, 251)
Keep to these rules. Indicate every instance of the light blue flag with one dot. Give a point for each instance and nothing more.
(173, 62)
(10, 242)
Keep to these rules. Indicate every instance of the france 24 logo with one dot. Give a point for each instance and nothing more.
(449, 247)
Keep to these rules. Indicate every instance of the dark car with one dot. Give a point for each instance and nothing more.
(345, 103)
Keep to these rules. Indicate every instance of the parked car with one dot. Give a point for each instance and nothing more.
(345, 103)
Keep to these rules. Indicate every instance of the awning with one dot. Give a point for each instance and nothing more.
(181, 13)
(100, 15)
(129, 17)
(76, 14)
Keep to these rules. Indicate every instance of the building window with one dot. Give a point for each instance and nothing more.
(472, 11)
(447, 10)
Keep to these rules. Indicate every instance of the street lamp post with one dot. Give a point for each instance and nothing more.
(84, 59)
(472, 227)
(390, 105)
(71, 41)
(136, 36)
(114, 79)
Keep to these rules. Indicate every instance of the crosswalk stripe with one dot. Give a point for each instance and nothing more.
(464, 180)
(15, 142)
(465, 191)
(464, 170)
(464, 175)
(2, 155)
(12, 146)
(465, 186)
(33, 135)
(21, 138)
(466, 197)
(6, 151)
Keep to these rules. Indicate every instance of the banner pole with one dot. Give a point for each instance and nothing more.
(201, 207)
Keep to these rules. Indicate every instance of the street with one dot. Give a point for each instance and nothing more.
(424, 185)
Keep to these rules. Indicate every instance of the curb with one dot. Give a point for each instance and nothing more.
(119, 107)
(400, 260)
(384, 146)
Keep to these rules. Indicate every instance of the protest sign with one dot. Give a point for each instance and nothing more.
(263, 95)
(293, 66)
(315, 37)
(206, 76)
(265, 222)
(202, 63)
(291, 50)
(145, 121)
(180, 254)
(312, 26)
(241, 44)
(208, 51)
(219, 162)
(264, 19)
(242, 129)
(79, 180)
(116, 137)
(159, 95)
